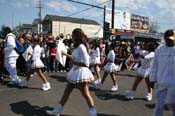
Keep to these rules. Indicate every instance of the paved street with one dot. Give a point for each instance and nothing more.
(32, 101)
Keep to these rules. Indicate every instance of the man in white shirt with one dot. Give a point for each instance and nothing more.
(11, 55)
(163, 73)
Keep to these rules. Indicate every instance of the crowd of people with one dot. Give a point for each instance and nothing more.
(84, 57)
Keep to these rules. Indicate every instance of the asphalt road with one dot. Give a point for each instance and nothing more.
(32, 101)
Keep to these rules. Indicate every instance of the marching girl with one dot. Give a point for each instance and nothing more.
(95, 60)
(110, 68)
(143, 72)
(79, 76)
(36, 65)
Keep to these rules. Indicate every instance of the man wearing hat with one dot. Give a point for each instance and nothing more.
(11, 55)
(163, 73)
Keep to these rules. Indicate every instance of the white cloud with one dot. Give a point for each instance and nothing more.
(24, 3)
(54, 4)
(69, 7)
(60, 6)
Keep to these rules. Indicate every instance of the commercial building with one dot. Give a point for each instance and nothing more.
(56, 25)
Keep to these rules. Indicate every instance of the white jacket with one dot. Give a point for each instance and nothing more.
(163, 67)
(10, 45)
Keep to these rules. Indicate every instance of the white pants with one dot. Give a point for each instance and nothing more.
(10, 64)
(165, 94)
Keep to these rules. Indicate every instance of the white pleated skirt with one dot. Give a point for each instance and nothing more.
(80, 75)
(143, 72)
(94, 60)
(37, 64)
(111, 67)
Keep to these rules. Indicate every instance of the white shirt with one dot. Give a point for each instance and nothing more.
(147, 62)
(36, 52)
(80, 54)
(111, 56)
(96, 52)
(10, 45)
(163, 67)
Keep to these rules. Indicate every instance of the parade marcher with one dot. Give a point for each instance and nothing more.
(95, 60)
(143, 72)
(36, 65)
(163, 73)
(11, 55)
(110, 68)
(79, 75)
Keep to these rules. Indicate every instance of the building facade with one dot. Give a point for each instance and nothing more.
(55, 25)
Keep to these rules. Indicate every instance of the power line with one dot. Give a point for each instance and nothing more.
(88, 8)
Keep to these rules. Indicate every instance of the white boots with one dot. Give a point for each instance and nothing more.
(56, 111)
(46, 86)
(58, 108)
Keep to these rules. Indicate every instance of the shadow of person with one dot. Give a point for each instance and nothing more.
(152, 106)
(59, 78)
(100, 114)
(106, 95)
(24, 108)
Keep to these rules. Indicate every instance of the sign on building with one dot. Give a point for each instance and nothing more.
(126, 21)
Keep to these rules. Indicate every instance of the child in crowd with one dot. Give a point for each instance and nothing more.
(37, 65)
(143, 72)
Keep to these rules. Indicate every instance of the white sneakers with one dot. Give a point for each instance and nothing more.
(92, 112)
(114, 88)
(129, 94)
(149, 97)
(56, 111)
(97, 84)
(46, 86)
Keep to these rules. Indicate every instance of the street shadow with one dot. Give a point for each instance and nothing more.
(100, 114)
(126, 75)
(152, 106)
(6, 83)
(24, 108)
(59, 78)
(107, 95)
(143, 99)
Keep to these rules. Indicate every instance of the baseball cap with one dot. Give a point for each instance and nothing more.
(169, 34)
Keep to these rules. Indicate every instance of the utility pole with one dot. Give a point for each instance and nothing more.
(40, 18)
(113, 14)
(104, 20)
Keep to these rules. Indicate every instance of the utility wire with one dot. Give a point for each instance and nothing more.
(88, 8)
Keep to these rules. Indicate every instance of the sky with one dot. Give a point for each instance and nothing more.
(15, 12)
